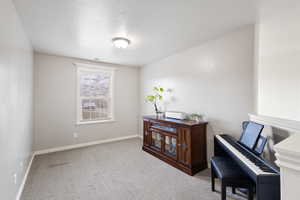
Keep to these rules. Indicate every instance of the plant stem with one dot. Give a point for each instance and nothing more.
(155, 107)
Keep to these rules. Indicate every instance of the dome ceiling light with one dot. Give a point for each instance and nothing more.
(121, 43)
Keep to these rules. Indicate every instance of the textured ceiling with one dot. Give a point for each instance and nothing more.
(156, 28)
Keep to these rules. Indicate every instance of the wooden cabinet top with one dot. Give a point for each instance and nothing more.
(174, 121)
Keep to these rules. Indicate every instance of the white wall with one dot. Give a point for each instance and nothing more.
(55, 104)
(16, 95)
(278, 68)
(214, 79)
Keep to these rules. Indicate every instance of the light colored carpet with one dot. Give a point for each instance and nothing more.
(113, 171)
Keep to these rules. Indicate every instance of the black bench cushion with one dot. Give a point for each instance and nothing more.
(226, 168)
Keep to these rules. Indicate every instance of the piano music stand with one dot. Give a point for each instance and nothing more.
(251, 133)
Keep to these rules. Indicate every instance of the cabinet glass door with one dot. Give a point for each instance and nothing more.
(170, 145)
(156, 139)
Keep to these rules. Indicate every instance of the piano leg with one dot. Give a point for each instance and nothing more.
(250, 192)
(233, 190)
(212, 180)
(223, 190)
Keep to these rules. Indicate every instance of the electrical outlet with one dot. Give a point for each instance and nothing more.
(75, 135)
(15, 178)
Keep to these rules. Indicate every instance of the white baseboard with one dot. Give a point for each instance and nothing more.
(140, 136)
(75, 146)
(21, 188)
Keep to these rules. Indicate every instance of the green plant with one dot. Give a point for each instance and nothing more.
(194, 116)
(156, 97)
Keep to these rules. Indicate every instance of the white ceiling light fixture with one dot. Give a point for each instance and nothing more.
(120, 42)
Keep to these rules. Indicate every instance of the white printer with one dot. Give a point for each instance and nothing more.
(175, 115)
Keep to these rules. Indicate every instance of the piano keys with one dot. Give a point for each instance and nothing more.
(265, 176)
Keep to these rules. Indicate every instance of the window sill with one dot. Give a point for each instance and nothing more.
(96, 122)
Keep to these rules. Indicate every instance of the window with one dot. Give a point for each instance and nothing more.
(94, 94)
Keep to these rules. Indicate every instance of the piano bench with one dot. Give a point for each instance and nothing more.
(230, 175)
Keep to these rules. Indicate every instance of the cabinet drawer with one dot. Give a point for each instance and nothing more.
(164, 127)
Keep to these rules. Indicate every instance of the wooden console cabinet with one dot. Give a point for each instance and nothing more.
(180, 143)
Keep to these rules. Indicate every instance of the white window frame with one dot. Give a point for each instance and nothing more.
(93, 68)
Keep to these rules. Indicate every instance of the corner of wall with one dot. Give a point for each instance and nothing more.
(255, 67)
